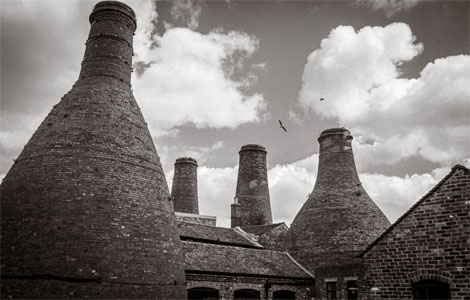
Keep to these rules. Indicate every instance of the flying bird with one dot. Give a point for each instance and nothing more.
(321, 99)
(282, 126)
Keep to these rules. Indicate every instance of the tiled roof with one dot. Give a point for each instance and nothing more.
(214, 235)
(427, 195)
(236, 260)
(260, 229)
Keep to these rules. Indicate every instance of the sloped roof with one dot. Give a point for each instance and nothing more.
(214, 235)
(260, 229)
(237, 260)
(418, 203)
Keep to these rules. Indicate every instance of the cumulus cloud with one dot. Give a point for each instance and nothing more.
(188, 81)
(395, 195)
(187, 11)
(216, 189)
(392, 118)
(290, 185)
(391, 7)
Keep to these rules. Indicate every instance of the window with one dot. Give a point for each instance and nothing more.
(430, 289)
(331, 290)
(201, 293)
(283, 295)
(246, 294)
(352, 289)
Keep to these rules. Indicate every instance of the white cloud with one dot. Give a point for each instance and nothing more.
(187, 11)
(395, 195)
(358, 75)
(391, 7)
(216, 189)
(188, 81)
(290, 185)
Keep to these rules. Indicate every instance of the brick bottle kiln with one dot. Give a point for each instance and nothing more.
(184, 187)
(252, 204)
(339, 219)
(85, 208)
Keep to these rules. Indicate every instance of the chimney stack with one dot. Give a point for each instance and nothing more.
(339, 219)
(254, 207)
(184, 188)
(84, 209)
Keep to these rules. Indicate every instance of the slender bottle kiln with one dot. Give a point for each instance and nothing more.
(184, 188)
(85, 210)
(252, 204)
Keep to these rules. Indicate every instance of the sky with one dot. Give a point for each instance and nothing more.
(212, 76)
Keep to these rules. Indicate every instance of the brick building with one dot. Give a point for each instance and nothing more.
(426, 252)
(86, 212)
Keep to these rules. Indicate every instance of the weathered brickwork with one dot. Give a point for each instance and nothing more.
(85, 208)
(184, 188)
(252, 188)
(339, 219)
(431, 241)
(266, 286)
(340, 275)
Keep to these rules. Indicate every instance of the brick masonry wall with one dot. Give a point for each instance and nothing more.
(227, 285)
(431, 242)
(85, 210)
(252, 187)
(340, 274)
(184, 188)
(339, 219)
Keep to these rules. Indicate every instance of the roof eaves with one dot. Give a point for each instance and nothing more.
(299, 265)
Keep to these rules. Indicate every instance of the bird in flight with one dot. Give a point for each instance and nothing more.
(282, 126)
(321, 99)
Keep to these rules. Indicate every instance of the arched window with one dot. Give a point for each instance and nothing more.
(284, 295)
(202, 293)
(430, 289)
(246, 294)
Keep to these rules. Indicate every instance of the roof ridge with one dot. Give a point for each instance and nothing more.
(414, 206)
(244, 234)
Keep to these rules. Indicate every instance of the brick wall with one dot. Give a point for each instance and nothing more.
(227, 285)
(431, 241)
(340, 274)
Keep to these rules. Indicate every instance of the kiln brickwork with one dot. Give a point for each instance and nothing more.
(85, 210)
(184, 188)
(429, 242)
(252, 194)
(339, 219)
